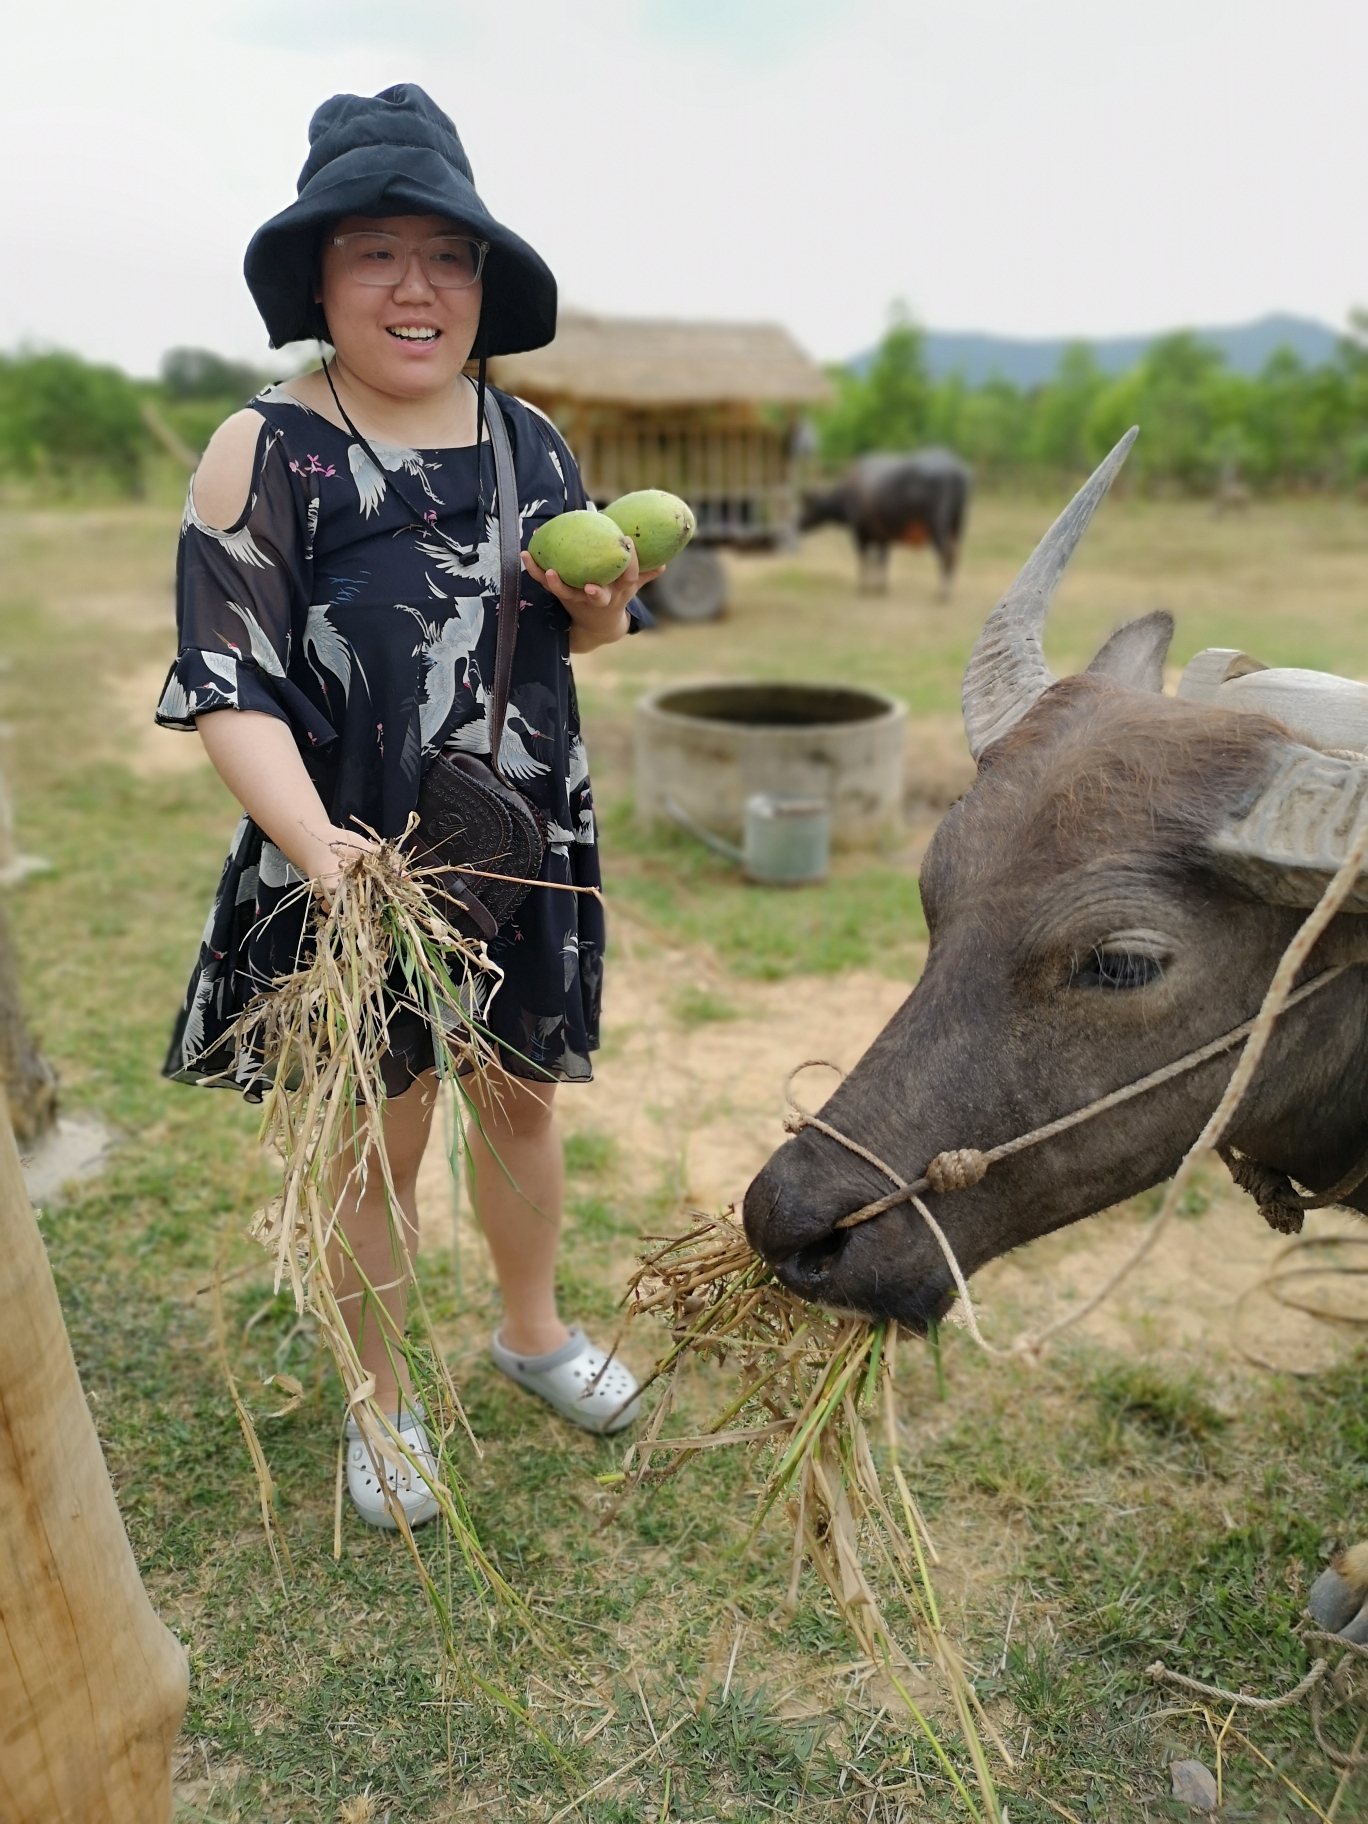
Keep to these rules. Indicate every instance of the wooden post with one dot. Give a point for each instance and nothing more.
(92, 1686)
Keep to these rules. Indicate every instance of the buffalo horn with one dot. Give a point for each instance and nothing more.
(1007, 670)
(1317, 707)
(1298, 831)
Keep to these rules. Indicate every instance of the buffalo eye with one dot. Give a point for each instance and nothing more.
(1116, 967)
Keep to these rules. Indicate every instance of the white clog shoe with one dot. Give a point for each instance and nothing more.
(578, 1379)
(368, 1479)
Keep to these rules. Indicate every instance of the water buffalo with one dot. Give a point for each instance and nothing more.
(1114, 891)
(916, 499)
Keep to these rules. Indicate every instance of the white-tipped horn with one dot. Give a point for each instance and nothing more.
(1316, 705)
(1296, 834)
(1007, 670)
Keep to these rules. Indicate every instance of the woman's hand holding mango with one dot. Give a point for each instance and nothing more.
(598, 610)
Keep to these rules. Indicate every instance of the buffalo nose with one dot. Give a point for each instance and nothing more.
(812, 1271)
(781, 1213)
(762, 1213)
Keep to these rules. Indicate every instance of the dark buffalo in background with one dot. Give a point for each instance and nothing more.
(914, 499)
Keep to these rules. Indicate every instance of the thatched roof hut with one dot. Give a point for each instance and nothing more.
(644, 362)
(707, 410)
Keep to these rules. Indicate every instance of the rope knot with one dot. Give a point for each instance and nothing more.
(794, 1123)
(1279, 1205)
(956, 1170)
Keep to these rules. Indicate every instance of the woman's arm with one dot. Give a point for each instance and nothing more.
(252, 752)
(598, 615)
(256, 758)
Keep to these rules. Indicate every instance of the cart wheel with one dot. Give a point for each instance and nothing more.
(693, 586)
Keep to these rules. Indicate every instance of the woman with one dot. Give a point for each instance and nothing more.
(345, 613)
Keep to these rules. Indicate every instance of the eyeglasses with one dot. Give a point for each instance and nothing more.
(452, 262)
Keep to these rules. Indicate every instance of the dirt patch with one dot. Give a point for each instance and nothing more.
(150, 752)
(940, 768)
(697, 1105)
(703, 1099)
(70, 1152)
(130, 610)
(1195, 1302)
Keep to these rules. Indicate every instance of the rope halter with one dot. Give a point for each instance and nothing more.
(962, 1167)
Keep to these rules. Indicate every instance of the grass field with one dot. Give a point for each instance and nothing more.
(1139, 1496)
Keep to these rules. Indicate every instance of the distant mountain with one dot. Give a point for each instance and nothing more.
(1246, 347)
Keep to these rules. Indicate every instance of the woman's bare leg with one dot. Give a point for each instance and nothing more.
(375, 1243)
(521, 1219)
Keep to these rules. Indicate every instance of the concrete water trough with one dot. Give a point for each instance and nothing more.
(707, 748)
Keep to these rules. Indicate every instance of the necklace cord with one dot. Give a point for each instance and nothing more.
(465, 555)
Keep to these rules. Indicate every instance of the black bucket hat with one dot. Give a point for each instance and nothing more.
(395, 153)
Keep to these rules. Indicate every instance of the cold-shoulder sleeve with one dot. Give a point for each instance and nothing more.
(241, 602)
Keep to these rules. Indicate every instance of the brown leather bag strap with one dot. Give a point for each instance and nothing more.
(510, 573)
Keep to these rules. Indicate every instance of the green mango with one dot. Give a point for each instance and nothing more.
(583, 547)
(658, 524)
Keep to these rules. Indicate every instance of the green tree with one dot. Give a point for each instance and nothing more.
(992, 428)
(1297, 421)
(886, 407)
(198, 373)
(1288, 426)
(1352, 363)
(1180, 398)
(1059, 418)
(64, 419)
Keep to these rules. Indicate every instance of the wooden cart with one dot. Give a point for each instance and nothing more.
(712, 411)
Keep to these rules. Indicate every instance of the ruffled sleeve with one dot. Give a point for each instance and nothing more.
(242, 596)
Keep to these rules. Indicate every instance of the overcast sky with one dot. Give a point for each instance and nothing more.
(1033, 167)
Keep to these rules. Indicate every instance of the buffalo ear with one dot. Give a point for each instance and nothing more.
(1134, 655)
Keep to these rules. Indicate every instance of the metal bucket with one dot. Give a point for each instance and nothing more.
(787, 839)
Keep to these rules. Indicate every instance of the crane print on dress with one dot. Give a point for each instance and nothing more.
(263, 652)
(324, 646)
(183, 704)
(480, 563)
(516, 759)
(442, 650)
(578, 792)
(370, 483)
(579, 799)
(210, 985)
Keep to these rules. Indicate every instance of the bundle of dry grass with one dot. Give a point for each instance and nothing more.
(811, 1383)
(380, 944)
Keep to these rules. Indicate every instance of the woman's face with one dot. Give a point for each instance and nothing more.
(410, 338)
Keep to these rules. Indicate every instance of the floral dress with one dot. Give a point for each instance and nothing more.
(327, 606)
